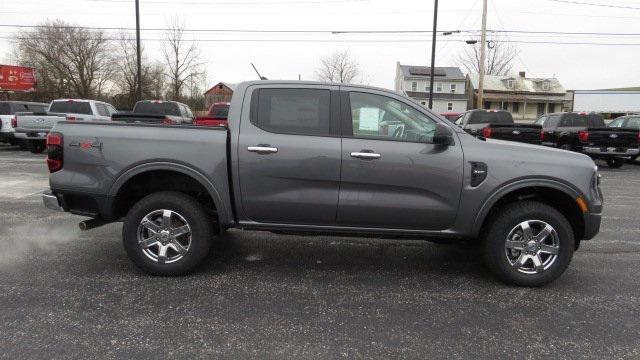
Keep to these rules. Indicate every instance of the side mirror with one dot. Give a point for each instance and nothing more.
(442, 135)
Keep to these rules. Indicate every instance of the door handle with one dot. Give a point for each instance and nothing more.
(365, 155)
(263, 149)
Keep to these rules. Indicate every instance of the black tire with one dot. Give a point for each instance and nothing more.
(36, 146)
(501, 224)
(634, 158)
(194, 214)
(615, 163)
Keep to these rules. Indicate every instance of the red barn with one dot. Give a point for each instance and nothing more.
(221, 92)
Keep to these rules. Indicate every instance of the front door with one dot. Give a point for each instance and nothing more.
(393, 176)
(289, 155)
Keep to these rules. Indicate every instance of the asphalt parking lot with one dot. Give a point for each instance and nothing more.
(69, 294)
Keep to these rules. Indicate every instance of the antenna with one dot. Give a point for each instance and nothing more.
(256, 70)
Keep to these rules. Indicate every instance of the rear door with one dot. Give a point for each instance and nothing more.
(393, 176)
(289, 154)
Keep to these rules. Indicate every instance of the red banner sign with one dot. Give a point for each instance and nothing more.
(17, 78)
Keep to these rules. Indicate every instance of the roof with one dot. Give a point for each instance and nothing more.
(423, 72)
(522, 84)
(230, 86)
(632, 88)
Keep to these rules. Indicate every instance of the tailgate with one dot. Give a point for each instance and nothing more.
(37, 123)
(517, 132)
(612, 137)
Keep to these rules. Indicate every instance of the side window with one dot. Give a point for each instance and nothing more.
(552, 122)
(459, 120)
(617, 123)
(633, 123)
(376, 116)
(294, 111)
(102, 110)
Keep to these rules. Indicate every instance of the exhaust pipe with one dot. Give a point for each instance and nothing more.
(92, 224)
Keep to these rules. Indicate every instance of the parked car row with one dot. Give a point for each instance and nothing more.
(27, 123)
(574, 131)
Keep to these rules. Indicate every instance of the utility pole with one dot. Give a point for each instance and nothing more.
(433, 52)
(138, 50)
(483, 46)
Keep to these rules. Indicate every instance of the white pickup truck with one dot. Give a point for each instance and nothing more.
(33, 127)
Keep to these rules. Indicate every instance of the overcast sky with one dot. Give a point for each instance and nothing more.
(576, 66)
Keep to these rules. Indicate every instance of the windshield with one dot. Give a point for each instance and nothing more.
(156, 108)
(71, 107)
(490, 117)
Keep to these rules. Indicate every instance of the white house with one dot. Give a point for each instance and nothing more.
(449, 93)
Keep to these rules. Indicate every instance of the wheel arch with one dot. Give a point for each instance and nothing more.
(551, 192)
(168, 167)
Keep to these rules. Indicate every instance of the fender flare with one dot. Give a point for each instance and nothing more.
(223, 212)
(503, 190)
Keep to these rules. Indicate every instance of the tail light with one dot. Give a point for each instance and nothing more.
(14, 122)
(54, 151)
(583, 135)
(167, 121)
(639, 137)
(71, 118)
(541, 135)
(486, 132)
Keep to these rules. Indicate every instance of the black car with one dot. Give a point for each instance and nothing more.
(628, 122)
(587, 133)
(498, 124)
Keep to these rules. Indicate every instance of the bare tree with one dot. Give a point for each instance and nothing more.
(339, 67)
(181, 58)
(126, 76)
(499, 57)
(70, 61)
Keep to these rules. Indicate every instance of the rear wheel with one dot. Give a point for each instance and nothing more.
(36, 146)
(614, 162)
(528, 244)
(167, 233)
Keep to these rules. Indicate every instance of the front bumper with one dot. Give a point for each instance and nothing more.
(51, 201)
(610, 151)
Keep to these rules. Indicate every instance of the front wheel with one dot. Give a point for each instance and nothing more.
(528, 244)
(36, 146)
(614, 162)
(167, 233)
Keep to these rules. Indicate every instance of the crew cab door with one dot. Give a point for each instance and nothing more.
(393, 176)
(289, 154)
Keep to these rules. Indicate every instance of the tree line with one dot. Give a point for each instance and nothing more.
(77, 62)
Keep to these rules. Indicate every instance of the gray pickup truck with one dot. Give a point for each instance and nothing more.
(313, 158)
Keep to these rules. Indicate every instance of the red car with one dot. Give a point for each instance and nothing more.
(217, 115)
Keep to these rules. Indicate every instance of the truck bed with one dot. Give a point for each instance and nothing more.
(99, 156)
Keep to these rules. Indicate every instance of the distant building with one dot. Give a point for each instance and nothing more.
(608, 101)
(448, 90)
(220, 92)
(526, 98)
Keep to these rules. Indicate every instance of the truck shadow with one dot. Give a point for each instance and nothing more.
(298, 255)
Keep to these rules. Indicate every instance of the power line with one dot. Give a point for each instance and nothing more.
(331, 32)
(352, 41)
(595, 4)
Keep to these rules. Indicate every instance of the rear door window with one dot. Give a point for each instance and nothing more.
(71, 107)
(294, 111)
(617, 123)
(5, 109)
